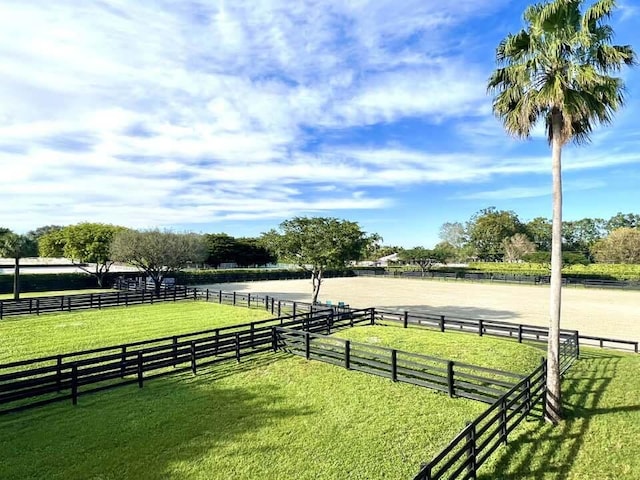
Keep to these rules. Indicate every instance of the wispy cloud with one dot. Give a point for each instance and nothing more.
(529, 192)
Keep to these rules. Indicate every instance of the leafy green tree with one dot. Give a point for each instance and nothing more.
(222, 248)
(249, 252)
(316, 244)
(539, 231)
(489, 228)
(40, 232)
(580, 235)
(84, 243)
(558, 69)
(621, 246)
(158, 253)
(423, 257)
(620, 220)
(16, 247)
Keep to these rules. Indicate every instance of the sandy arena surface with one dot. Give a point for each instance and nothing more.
(599, 312)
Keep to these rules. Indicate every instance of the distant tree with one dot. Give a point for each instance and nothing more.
(249, 252)
(222, 248)
(489, 228)
(620, 220)
(84, 243)
(422, 257)
(516, 247)
(40, 232)
(4, 231)
(580, 235)
(446, 252)
(16, 247)
(568, 258)
(316, 244)
(557, 69)
(158, 253)
(539, 231)
(621, 246)
(455, 234)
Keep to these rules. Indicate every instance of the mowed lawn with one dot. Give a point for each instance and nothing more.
(52, 333)
(272, 417)
(490, 352)
(600, 438)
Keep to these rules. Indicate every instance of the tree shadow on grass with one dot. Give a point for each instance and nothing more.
(548, 452)
(143, 433)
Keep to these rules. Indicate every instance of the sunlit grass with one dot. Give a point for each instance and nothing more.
(52, 333)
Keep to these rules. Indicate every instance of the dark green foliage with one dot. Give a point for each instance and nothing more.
(487, 230)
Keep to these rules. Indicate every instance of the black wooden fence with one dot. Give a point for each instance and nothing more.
(454, 378)
(40, 381)
(471, 448)
(496, 328)
(83, 301)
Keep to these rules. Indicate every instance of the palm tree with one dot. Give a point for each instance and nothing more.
(558, 69)
(16, 247)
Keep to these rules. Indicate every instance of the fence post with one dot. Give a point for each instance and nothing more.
(394, 365)
(126, 298)
(279, 307)
(519, 333)
(405, 323)
(90, 301)
(347, 354)
(238, 346)
(195, 293)
(123, 362)
(174, 341)
(372, 312)
(527, 394)
(193, 356)
(37, 307)
(251, 328)
(450, 379)
(140, 379)
(69, 304)
(273, 305)
(471, 452)
(207, 293)
(442, 323)
(480, 327)
(219, 296)
(74, 383)
(248, 300)
(307, 345)
(217, 344)
(274, 339)
(59, 373)
(503, 420)
(577, 337)
(266, 302)
(234, 297)
(99, 302)
(118, 298)
(294, 309)
(1, 308)
(143, 295)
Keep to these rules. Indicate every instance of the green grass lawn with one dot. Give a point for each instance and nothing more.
(52, 333)
(56, 293)
(274, 417)
(485, 351)
(600, 437)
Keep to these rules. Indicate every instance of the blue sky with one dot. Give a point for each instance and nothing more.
(235, 115)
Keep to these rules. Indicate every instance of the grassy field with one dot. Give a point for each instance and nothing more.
(463, 347)
(34, 336)
(599, 438)
(258, 419)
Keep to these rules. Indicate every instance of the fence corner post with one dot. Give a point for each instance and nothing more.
(405, 319)
(394, 365)
(274, 339)
(471, 452)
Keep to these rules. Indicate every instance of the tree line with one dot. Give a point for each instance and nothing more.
(314, 244)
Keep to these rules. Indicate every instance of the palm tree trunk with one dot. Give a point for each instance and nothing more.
(553, 404)
(16, 279)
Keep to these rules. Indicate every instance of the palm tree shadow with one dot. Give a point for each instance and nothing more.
(548, 451)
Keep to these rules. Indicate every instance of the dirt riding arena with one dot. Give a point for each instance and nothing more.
(602, 312)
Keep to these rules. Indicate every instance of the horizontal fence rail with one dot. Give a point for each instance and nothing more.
(44, 380)
(454, 378)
